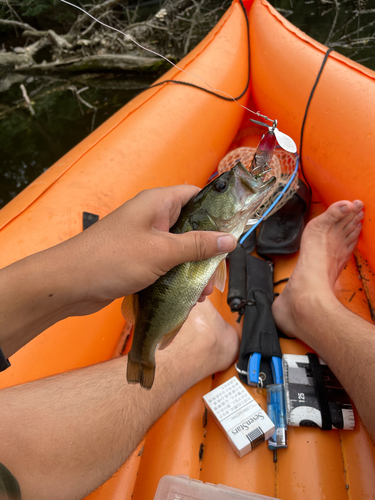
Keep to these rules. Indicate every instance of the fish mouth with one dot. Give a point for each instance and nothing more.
(254, 189)
(249, 193)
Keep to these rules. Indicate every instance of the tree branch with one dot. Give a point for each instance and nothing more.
(95, 11)
(17, 24)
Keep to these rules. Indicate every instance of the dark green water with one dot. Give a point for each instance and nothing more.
(30, 144)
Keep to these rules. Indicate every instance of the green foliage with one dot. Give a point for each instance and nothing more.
(32, 8)
(41, 14)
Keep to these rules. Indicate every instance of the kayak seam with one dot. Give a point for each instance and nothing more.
(52, 183)
(345, 467)
(314, 43)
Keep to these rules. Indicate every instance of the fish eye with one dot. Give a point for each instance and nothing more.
(221, 186)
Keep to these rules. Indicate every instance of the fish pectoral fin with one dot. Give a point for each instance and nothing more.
(168, 337)
(137, 373)
(220, 276)
(129, 308)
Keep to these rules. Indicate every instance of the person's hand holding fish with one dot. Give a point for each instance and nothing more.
(160, 310)
(122, 253)
(132, 247)
(160, 249)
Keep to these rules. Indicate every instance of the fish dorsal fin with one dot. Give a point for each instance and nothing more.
(220, 276)
(129, 308)
(169, 337)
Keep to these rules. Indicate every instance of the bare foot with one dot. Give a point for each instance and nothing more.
(327, 244)
(206, 343)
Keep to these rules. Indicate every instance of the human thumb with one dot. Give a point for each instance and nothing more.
(199, 245)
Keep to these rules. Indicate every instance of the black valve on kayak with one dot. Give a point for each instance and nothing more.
(89, 219)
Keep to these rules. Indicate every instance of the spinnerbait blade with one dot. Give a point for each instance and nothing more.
(285, 142)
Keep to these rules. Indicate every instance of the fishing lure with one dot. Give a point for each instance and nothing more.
(283, 140)
(267, 145)
(260, 164)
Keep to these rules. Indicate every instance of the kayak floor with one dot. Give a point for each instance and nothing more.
(185, 440)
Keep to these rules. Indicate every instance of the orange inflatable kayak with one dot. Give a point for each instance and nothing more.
(174, 134)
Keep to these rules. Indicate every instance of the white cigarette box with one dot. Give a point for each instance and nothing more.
(239, 415)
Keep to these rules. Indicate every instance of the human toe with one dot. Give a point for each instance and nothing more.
(353, 236)
(337, 212)
(351, 246)
(352, 223)
(358, 205)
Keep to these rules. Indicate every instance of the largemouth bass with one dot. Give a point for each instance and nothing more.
(160, 310)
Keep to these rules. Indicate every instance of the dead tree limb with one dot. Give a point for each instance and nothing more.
(10, 60)
(27, 99)
(59, 41)
(95, 11)
(17, 24)
(172, 30)
(337, 10)
(34, 34)
(104, 62)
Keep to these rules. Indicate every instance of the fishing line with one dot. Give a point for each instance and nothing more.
(214, 93)
(299, 158)
(213, 90)
(276, 201)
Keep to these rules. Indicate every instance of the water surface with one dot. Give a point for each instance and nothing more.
(30, 144)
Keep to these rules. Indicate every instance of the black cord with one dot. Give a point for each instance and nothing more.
(306, 111)
(211, 91)
(247, 86)
(281, 281)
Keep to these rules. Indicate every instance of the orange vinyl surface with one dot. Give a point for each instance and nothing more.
(171, 135)
(168, 135)
(338, 148)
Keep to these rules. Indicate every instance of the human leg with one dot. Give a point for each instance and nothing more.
(309, 310)
(65, 435)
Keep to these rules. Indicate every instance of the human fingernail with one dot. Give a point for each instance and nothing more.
(226, 244)
(345, 209)
(358, 204)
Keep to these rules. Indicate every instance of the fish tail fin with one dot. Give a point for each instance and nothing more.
(139, 374)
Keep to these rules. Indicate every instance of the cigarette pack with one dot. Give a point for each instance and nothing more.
(239, 416)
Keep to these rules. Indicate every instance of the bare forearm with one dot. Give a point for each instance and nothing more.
(346, 342)
(35, 295)
(123, 253)
(71, 433)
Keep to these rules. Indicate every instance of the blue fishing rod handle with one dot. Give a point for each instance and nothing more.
(277, 370)
(253, 369)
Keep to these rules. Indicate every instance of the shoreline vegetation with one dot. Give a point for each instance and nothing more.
(84, 46)
(50, 38)
(62, 74)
